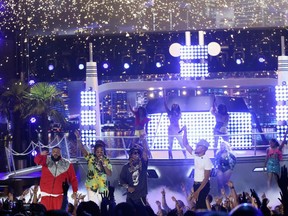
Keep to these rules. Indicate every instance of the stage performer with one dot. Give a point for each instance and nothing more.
(225, 162)
(273, 157)
(55, 171)
(221, 126)
(174, 115)
(99, 167)
(202, 171)
(141, 121)
(133, 176)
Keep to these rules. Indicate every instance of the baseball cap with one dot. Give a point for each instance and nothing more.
(135, 148)
(203, 142)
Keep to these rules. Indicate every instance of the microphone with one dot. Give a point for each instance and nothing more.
(181, 130)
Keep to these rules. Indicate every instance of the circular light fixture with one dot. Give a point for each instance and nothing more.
(174, 49)
(214, 48)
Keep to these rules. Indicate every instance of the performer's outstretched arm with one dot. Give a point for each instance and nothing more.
(185, 140)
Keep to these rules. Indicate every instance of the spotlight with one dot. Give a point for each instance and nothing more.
(51, 64)
(126, 65)
(81, 63)
(50, 67)
(31, 82)
(105, 65)
(32, 120)
(239, 57)
(34, 153)
(159, 60)
(184, 92)
(261, 59)
(239, 61)
(126, 60)
(81, 66)
(158, 64)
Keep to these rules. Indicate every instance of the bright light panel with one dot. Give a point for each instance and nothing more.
(193, 52)
(88, 98)
(200, 126)
(88, 117)
(193, 69)
(281, 93)
(281, 96)
(193, 61)
(88, 137)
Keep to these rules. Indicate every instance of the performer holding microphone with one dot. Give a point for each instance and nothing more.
(222, 120)
(99, 167)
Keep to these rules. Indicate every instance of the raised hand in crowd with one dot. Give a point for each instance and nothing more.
(256, 198)
(264, 207)
(233, 194)
(35, 191)
(164, 203)
(108, 199)
(104, 203)
(184, 191)
(218, 204)
(31, 195)
(243, 197)
(179, 206)
(160, 211)
(25, 192)
(191, 202)
(283, 184)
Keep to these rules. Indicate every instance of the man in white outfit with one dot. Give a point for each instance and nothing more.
(202, 169)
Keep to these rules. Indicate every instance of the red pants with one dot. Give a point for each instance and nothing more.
(52, 203)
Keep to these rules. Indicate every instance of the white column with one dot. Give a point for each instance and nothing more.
(92, 85)
(282, 70)
(187, 38)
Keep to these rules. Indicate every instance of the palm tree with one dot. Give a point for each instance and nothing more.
(44, 100)
(12, 104)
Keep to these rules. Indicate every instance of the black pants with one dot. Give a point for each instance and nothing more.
(201, 202)
(137, 202)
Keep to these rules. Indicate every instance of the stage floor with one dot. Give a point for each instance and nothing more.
(157, 155)
(170, 174)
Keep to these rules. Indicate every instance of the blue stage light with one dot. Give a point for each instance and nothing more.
(31, 82)
(81, 66)
(158, 64)
(105, 65)
(261, 59)
(32, 120)
(126, 65)
(51, 67)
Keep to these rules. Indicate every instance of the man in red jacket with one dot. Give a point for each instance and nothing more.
(55, 170)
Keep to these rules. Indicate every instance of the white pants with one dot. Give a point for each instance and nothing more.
(95, 197)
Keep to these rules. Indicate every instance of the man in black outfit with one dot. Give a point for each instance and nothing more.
(133, 175)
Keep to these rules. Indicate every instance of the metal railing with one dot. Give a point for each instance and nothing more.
(118, 146)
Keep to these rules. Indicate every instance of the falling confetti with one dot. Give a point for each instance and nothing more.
(102, 16)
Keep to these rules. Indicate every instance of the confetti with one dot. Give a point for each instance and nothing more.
(102, 16)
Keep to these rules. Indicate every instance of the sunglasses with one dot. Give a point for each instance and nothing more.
(136, 152)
